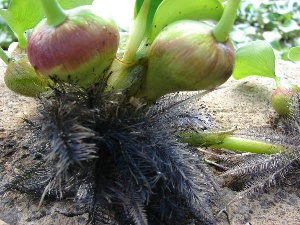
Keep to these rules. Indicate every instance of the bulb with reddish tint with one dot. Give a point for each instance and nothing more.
(76, 51)
(185, 56)
(282, 98)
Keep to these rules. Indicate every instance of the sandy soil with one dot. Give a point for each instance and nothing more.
(244, 104)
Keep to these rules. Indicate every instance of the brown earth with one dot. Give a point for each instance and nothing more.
(244, 104)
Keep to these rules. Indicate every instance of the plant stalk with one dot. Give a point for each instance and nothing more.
(277, 81)
(137, 33)
(54, 12)
(22, 41)
(249, 145)
(4, 56)
(223, 27)
(226, 140)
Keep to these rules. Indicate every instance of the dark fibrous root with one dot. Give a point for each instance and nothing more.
(123, 163)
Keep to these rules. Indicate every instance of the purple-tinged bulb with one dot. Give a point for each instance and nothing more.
(185, 56)
(77, 51)
(282, 99)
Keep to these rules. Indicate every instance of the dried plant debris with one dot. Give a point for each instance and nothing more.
(249, 173)
(124, 165)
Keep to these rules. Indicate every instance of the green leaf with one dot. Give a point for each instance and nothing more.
(70, 4)
(25, 14)
(294, 53)
(172, 10)
(255, 58)
(21, 16)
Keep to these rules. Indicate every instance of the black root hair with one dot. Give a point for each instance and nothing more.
(123, 164)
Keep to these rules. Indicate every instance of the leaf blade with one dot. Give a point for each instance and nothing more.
(255, 58)
(294, 53)
(70, 4)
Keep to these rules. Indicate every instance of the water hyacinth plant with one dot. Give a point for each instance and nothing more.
(110, 134)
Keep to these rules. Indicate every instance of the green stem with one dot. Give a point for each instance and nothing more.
(277, 81)
(248, 145)
(222, 29)
(227, 141)
(4, 56)
(54, 13)
(137, 33)
(22, 40)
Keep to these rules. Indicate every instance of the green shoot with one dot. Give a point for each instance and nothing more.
(54, 13)
(137, 33)
(225, 140)
(222, 29)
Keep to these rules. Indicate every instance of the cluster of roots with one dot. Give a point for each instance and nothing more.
(123, 164)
